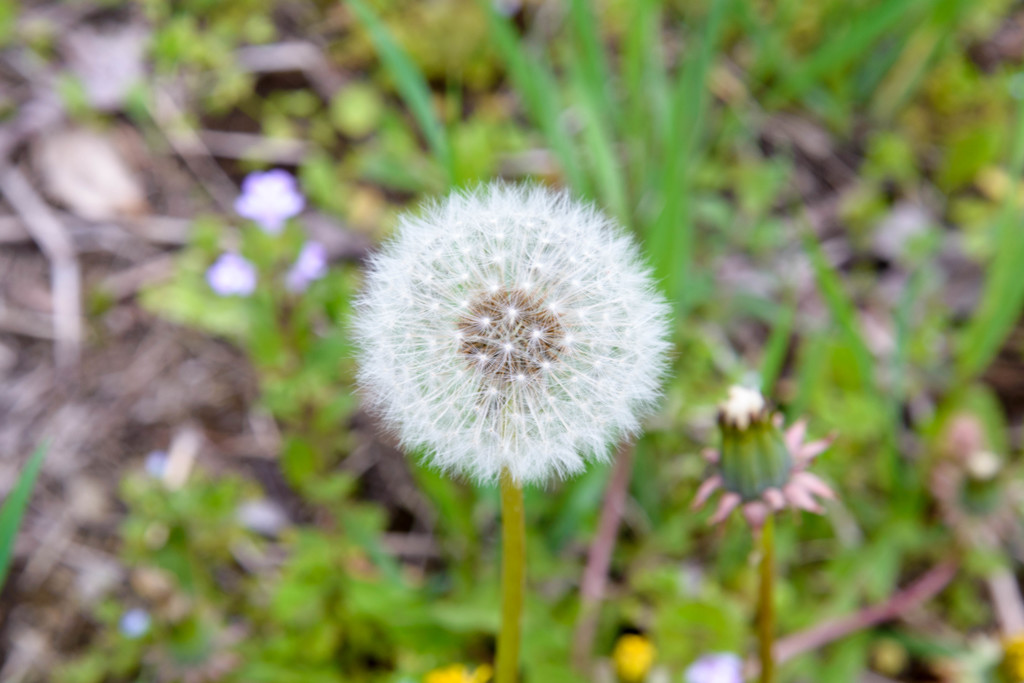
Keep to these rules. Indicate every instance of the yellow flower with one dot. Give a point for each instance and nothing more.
(633, 657)
(1013, 658)
(457, 673)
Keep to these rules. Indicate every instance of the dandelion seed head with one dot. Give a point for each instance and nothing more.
(535, 369)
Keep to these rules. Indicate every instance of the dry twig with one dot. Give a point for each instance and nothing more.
(595, 575)
(901, 602)
(51, 236)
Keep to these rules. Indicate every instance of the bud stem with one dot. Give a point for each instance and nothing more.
(513, 578)
(766, 608)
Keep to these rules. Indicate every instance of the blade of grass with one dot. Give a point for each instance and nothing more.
(839, 51)
(905, 75)
(670, 240)
(812, 357)
(592, 77)
(13, 509)
(776, 347)
(647, 96)
(411, 84)
(923, 48)
(600, 147)
(842, 310)
(896, 391)
(539, 90)
(593, 65)
(1003, 295)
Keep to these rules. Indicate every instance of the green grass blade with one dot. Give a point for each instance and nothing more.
(842, 309)
(599, 145)
(13, 509)
(539, 90)
(592, 78)
(1003, 295)
(645, 83)
(776, 347)
(838, 52)
(593, 65)
(909, 70)
(411, 84)
(670, 239)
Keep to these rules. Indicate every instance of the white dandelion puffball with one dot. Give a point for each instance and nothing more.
(511, 327)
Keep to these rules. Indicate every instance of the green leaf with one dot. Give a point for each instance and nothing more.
(843, 310)
(1003, 295)
(776, 347)
(13, 509)
(670, 243)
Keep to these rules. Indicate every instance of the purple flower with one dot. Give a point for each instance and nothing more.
(156, 464)
(134, 623)
(720, 667)
(310, 265)
(231, 274)
(270, 199)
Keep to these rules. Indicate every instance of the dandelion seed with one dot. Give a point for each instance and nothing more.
(543, 353)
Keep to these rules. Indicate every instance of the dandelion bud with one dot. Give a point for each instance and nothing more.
(972, 485)
(759, 466)
(754, 457)
(981, 493)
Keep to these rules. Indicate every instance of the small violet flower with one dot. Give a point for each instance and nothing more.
(309, 266)
(134, 623)
(270, 199)
(156, 464)
(720, 667)
(232, 275)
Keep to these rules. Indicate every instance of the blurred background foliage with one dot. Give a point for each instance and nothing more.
(830, 194)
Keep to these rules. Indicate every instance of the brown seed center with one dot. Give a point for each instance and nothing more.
(510, 336)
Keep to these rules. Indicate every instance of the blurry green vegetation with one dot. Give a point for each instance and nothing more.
(679, 119)
(13, 509)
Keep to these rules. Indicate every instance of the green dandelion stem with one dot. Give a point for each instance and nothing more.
(766, 608)
(513, 578)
